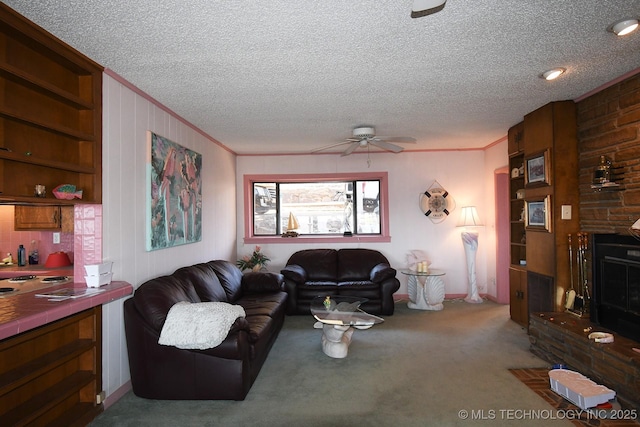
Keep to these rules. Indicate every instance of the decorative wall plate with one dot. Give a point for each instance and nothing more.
(436, 203)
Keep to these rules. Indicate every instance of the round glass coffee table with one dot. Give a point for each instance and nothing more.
(426, 289)
(337, 316)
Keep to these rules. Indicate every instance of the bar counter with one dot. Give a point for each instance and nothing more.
(23, 312)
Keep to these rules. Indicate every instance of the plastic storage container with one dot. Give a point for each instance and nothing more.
(98, 274)
(579, 389)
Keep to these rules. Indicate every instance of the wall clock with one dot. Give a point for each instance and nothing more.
(436, 203)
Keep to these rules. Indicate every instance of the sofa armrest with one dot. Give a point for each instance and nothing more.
(382, 272)
(295, 273)
(261, 281)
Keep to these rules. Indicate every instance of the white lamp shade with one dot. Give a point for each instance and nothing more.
(469, 217)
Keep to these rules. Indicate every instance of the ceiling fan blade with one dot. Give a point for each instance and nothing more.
(326, 147)
(386, 146)
(426, 7)
(396, 139)
(351, 149)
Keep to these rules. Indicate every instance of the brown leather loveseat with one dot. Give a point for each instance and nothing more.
(226, 371)
(364, 273)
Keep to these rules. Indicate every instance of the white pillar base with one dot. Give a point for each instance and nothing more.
(470, 241)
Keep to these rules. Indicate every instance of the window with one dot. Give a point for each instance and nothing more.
(328, 205)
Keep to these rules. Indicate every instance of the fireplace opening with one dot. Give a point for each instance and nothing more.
(616, 284)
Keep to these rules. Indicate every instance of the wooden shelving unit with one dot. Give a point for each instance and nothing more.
(517, 238)
(539, 263)
(50, 115)
(52, 375)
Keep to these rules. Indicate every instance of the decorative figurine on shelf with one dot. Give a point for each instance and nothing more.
(417, 261)
(8, 260)
(292, 226)
(327, 302)
(67, 192)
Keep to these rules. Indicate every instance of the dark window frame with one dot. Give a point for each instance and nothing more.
(250, 180)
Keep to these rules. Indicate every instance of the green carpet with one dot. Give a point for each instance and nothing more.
(418, 368)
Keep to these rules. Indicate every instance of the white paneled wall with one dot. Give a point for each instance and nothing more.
(127, 116)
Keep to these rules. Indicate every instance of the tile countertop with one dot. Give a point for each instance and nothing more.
(22, 312)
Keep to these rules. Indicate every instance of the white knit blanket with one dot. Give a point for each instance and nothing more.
(199, 325)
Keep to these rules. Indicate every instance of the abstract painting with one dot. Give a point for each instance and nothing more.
(174, 198)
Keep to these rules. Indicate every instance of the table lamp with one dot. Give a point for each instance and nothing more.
(469, 218)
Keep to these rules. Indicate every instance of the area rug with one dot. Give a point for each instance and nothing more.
(537, 379)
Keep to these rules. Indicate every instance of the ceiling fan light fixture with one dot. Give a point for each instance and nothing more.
(426, 7)
(553, 73)
(364, 132)
(624, 27)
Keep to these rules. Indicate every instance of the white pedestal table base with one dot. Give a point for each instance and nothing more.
(427, 293)
(336, 338)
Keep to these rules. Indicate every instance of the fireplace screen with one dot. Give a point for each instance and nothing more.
(616, 284)
(621, 287)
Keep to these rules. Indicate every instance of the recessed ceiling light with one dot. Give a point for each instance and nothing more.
(553, 74)
(624, 27)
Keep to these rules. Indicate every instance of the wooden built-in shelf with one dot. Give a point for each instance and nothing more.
(50, 114)
(51, 375)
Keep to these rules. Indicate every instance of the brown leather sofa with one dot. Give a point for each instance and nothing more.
(223, 372)
(364, 273)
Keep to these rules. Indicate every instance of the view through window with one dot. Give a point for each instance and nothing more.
(320, 208)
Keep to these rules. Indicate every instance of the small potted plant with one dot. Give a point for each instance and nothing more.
(255, 262)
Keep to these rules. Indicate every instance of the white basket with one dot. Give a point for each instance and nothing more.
(98, 269)
(97, 281)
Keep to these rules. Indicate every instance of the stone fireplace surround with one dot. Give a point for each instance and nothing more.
(563, 338)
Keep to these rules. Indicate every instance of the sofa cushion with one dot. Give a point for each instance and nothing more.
(155, 298)
(264, 304)
(294, 273)
(360, 289)
(382, 272)
(230, 278)
(261, 282)
(259, 327)
(319, 264)
(356, 264)
(204, 281)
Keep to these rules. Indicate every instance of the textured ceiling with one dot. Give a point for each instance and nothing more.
(288, 76)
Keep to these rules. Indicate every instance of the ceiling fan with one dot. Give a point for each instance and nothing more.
(426, 7)
(364, 136)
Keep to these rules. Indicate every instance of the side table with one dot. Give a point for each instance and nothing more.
(426, 289)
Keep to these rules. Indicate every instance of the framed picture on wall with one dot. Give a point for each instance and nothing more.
(174, 194)
(537, 214)
(536, 171)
